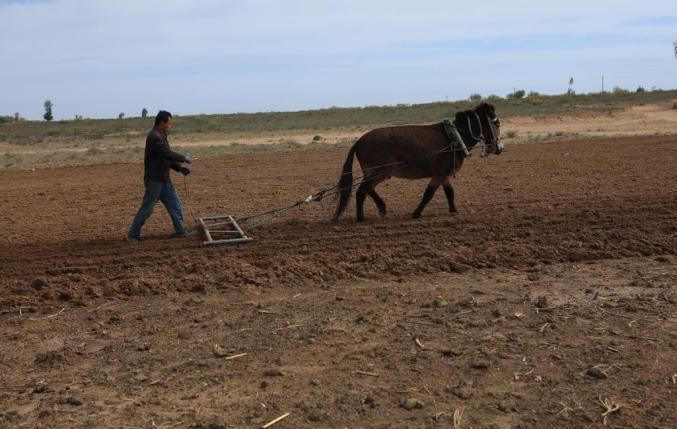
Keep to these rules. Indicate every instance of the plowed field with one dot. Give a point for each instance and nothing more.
(551, 292)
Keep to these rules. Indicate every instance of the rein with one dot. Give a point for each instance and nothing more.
(478, 139)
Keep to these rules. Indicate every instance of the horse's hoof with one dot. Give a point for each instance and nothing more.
(416, 215)
(360, 219)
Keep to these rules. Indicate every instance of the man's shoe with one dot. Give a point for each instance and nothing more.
(185, 233)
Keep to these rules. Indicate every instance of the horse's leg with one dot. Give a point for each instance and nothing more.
(428, 195)
(449, 192)
(371, 190)
(360, 196)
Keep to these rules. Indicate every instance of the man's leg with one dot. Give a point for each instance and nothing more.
(150, 197)
(172, 203)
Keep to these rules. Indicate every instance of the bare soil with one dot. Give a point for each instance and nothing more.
(551, 293)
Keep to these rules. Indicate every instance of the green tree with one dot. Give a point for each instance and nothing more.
(48, 110)
(475, 97)
(144, 113)
(620, 91)
(16, 117)
(520, 93)
(121, 115)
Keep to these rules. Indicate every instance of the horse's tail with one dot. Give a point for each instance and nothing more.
(345, 184)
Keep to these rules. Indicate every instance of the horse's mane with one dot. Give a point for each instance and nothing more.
(468, 121)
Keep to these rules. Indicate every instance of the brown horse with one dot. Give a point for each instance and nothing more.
(416, 152)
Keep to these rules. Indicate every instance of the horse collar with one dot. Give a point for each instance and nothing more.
(455, 139)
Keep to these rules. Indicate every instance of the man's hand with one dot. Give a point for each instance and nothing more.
(184, 170)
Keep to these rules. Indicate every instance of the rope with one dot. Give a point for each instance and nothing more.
(185, 186)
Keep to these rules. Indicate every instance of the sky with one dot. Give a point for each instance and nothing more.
(101, 58)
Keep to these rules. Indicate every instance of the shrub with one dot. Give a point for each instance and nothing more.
(475, 97)
(517, 94)
(620, 91)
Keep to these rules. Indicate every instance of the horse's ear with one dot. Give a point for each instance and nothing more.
(491, 108)
(486, 107)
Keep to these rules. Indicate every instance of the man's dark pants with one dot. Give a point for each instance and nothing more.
(162, 191)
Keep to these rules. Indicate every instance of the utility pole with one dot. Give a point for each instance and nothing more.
(602, 83)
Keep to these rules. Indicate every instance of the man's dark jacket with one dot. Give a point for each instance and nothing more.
(159, 158)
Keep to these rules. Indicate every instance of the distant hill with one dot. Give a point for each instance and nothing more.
(27, 132)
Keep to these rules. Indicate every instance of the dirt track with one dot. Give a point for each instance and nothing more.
(562, 258)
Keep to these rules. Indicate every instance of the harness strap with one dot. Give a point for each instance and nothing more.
(455, 138)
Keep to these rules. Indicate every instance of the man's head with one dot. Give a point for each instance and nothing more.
(163, 121)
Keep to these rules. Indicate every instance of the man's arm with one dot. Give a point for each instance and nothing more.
(180, 169)
(161, 148)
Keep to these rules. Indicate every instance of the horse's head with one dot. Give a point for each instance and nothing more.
(470, 127)
(491, 128)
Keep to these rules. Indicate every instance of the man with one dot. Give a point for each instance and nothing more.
(157, 161)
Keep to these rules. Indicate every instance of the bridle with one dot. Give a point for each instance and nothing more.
(472, 116)
(476, 138)
(480, 137)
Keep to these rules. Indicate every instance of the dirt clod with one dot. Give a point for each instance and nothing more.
(272, 372)
(219, 351)
(38, 283)
(480, 364)
(317, 416)
(541, 302)
(49, 358)
(411, 403)
(594, 372)
(72, 400)
(460, 392)
(65, 295)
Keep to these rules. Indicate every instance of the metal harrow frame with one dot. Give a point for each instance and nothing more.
(221, 230)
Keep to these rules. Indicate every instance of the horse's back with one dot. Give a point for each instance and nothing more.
(413, 146)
